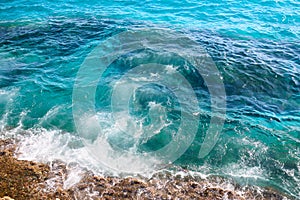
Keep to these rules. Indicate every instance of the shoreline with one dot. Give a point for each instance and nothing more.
(21, 179)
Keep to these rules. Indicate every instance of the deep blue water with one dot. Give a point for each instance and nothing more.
(254, 45)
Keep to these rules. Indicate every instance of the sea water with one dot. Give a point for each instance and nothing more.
(143, 96)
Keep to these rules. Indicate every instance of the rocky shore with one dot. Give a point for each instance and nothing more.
(22, 180)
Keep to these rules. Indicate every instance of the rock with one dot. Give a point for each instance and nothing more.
(6, 198)
(21, 179)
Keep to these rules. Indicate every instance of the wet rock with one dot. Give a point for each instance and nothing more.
(21, 179)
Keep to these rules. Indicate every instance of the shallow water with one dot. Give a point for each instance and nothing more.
(254, 46)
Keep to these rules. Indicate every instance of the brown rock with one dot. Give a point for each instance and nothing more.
(22, 180)
(6, 198)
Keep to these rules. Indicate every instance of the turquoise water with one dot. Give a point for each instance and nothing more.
(254, 45)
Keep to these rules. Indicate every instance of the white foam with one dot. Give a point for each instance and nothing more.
(6, 98)
(241, 171)
(47, 146)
